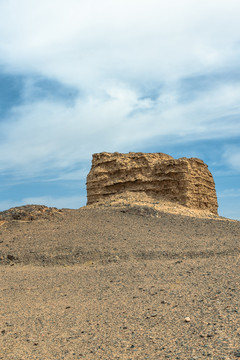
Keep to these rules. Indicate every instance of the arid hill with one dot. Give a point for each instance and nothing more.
(112, 282)
(185, 181)
(147, 270)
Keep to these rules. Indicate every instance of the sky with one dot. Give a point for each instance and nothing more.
(84, 76)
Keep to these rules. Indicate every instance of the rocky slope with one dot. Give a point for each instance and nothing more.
(29, 213)
(105, 283)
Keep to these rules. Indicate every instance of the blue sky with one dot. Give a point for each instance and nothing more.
(79, 77)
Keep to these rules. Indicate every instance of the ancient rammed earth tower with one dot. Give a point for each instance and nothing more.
(160, 176)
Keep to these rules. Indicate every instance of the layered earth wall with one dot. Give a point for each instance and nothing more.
(185, 181)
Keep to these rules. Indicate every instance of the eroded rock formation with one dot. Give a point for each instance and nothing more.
(185, 181)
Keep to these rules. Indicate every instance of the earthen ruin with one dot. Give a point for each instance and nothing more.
(186, 181)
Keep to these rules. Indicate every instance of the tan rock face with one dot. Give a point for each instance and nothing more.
(160, 176)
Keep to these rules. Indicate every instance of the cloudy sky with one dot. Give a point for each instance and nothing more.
(85, 76)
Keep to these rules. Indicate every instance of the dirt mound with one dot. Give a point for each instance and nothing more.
(142, 203)
(29, 213)
(184, 181)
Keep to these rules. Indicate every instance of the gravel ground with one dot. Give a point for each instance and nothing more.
(119, 284)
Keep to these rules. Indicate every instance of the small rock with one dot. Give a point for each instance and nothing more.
(11, 257)
(187, 319)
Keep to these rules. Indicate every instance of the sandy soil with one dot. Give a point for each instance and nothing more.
(118, 282)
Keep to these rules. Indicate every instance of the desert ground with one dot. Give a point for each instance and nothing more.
(118, 282)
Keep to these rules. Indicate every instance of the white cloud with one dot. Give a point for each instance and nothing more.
(229, 193)
(111, 51)
(45, 136)
(232, 157)
(72, 175)
(87, 42)
(73, 202)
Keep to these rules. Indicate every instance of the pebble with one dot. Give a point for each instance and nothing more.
(187, 319)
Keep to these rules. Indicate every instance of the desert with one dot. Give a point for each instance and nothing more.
(119, 180)
(133, 275)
